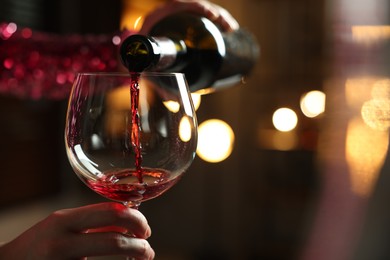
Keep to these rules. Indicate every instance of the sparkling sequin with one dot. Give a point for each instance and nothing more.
(26, 33)
(8, 63)
(42, 65)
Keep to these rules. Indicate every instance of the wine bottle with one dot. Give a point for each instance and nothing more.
(193, 45)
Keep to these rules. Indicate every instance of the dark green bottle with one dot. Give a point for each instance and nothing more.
(193, 45)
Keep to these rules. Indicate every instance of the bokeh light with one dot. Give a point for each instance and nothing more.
(196, 99)
(313, 103)
(285, 119)
(215, 140)
(366, 151)
(185, 127)
(376, 114)
(174, 106)
(370, 34)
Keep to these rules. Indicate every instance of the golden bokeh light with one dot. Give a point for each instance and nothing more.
(313, 103)
(196, 99)
(367, 138)
(119, 98)
(370, 34)
(358, 90)
(285, 119)
(118, 103)
(174, 106)
(381, 89)
(376, 114)
(277, 140)
(134, 12)
(375, 110)
(215, 140)
(185, 127)
(366, 151)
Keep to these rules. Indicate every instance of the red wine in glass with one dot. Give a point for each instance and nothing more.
(124, 185)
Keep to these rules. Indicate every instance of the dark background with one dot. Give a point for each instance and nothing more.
(260, 203)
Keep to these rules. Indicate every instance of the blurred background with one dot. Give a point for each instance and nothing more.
(303, 170)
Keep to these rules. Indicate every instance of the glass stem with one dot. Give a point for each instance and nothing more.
(132, 204)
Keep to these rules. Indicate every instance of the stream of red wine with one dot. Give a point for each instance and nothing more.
(136, 125)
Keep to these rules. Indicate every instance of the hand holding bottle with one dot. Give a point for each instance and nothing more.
(200, 39)
(213, 12)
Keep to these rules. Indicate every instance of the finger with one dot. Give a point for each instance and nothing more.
(104, 215)
(219, 15)
(204, 8)
(109, 243)
(211, 11)
(225, 20)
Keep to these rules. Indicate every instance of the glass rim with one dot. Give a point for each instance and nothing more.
(127, 74)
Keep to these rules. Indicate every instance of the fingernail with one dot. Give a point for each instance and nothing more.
(148, 232)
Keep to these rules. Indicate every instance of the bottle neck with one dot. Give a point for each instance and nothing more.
(145, 53)
(170, 52)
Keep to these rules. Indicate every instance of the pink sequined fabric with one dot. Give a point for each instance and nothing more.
(39, 65)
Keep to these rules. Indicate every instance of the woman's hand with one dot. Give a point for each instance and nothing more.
(213, 12)
(86, 231)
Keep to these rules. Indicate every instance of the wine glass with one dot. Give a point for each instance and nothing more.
(130, 137)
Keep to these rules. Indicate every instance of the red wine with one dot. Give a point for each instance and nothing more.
(124, 186)
(136, 126)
